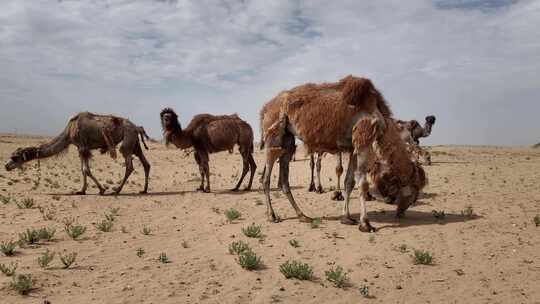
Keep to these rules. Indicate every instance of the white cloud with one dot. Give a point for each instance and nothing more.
(474, 65)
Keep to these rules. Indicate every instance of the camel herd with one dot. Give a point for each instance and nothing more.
(349, 116)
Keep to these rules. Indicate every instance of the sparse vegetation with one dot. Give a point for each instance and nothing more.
(26, 203)
(5, 199)
(238, 247)
(75, 231)
(22, 283)
(439, 215)
(364, 291)
(146, 230)
(140, 252)
(468, 212)
(68, 259)
(423, 257)
(8, 247)
(47, 214)
(46, 233)
(45, 259)
(252, 231)
(403, 248)
(163, 258)
(105, 225)
(249, 260)
(537, 220)
(29, 237)
(8, 270)
(337, 276)
(232, 214)
(296, 270)
(316, 223)
(294, 243)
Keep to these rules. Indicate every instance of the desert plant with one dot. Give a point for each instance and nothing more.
(22, 283)
(68, 259)
(114, 211)
(252, 231)
(296, 270)
(238, 247)
(146, 230)
(8, 270)
(140, 252)
(249, 260)
(439, 215)
(45, 259)
(316, 223)
(163, 258)
(109, 217)
(337, 276)
(26, 203)
(46, 233)
(423, 257)
(30, 236)
(537, 220)
(364, 291)
(232, 214)
(403, 248)
(8, 247)
(75, 231)
(105, 225)
(47, 214)
(294, 243)
(468, 212)
(5, 199)
(68, 221)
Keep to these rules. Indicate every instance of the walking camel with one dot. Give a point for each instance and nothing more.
(89, 131)
(346, 116)
(210, 134)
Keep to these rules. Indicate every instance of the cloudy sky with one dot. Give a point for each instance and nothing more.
(475, 64)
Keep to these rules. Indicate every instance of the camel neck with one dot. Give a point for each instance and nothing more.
(53, 147)
(181, 139)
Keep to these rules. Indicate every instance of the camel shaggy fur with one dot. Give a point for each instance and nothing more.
(210, 134)
(89, 131)
(328, 118)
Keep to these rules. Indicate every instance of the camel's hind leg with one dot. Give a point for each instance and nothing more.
(319, 167)
(253, 168)
(245, 168)
(85, 181)
(284, 160)
(349, 186)
(146, 165)
(338, 196)
(126, 152)
(271, 157)
(204, 168)
(312, 168)
(360, 175)
(85, 160)
(201, 170)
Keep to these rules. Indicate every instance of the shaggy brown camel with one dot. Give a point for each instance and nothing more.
(89, 131)
(210, 134)
(328, 118)
(268, 115)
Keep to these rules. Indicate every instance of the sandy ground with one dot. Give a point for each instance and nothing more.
(493, 258)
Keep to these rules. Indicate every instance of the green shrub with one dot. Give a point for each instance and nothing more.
(140, 252)
(316, 223)
(26, 203)
(249, 260)
(468, 212)
(232, 214)
(105, 225)
(296, 270)
(364, 291)
(294, 243)
(238, 247)
(75, 231)
(8, 270)
(68, 259)
(252, 231)
(163, 258)
(537, 220)
(423, 257)
(45, 259)
(146, 230)
(22, 283)
(47, 233)
(8, 247)
(337, 276)
(29, 237)
(5, 199)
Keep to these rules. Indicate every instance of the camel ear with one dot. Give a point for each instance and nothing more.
(355, 90)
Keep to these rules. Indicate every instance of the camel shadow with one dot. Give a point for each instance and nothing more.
(136, 194)
(412, 218)
(436, 163)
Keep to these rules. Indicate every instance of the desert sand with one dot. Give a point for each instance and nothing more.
(491, 258)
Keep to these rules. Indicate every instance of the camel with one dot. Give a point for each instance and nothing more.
(350, 116)
(210, 134)
(88, 131)
(268, 115)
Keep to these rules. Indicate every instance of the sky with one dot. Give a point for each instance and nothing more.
(474, 64)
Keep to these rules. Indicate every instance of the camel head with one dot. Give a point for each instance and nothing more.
(414, 188)
(430, 119)
(21, 156)
(169, 123)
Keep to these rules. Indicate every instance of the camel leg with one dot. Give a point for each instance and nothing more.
(312, 167)
(319, 167)
(271, 157)
(88, 172)
(284, 160)
(261, 180)
(201, 170)
(253, 168)
(85, 181)
(360, 175)
(146, 165)
(349, 186)
(206, 169)
(338, 196)
(129, 169)
(245, 169)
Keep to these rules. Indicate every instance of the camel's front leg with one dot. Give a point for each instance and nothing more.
(338, 196)
(360, 175)
(271, 157)
(85, 180)
(349, 186)
(129, 170)
(88, 172)
(312, 168)
(201, 170)
(319, 167)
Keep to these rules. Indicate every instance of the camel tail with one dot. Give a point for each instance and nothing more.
(143, 135)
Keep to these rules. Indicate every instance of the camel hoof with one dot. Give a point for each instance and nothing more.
(274, 219)
(312, 188)
(143, 192)
(207, 190)
(305, 219)
(366, 227)
(345, 220)
(101, 191)
(320, 190)
(234, 190)
(247, 189)
(338, 196)
(80, 193)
